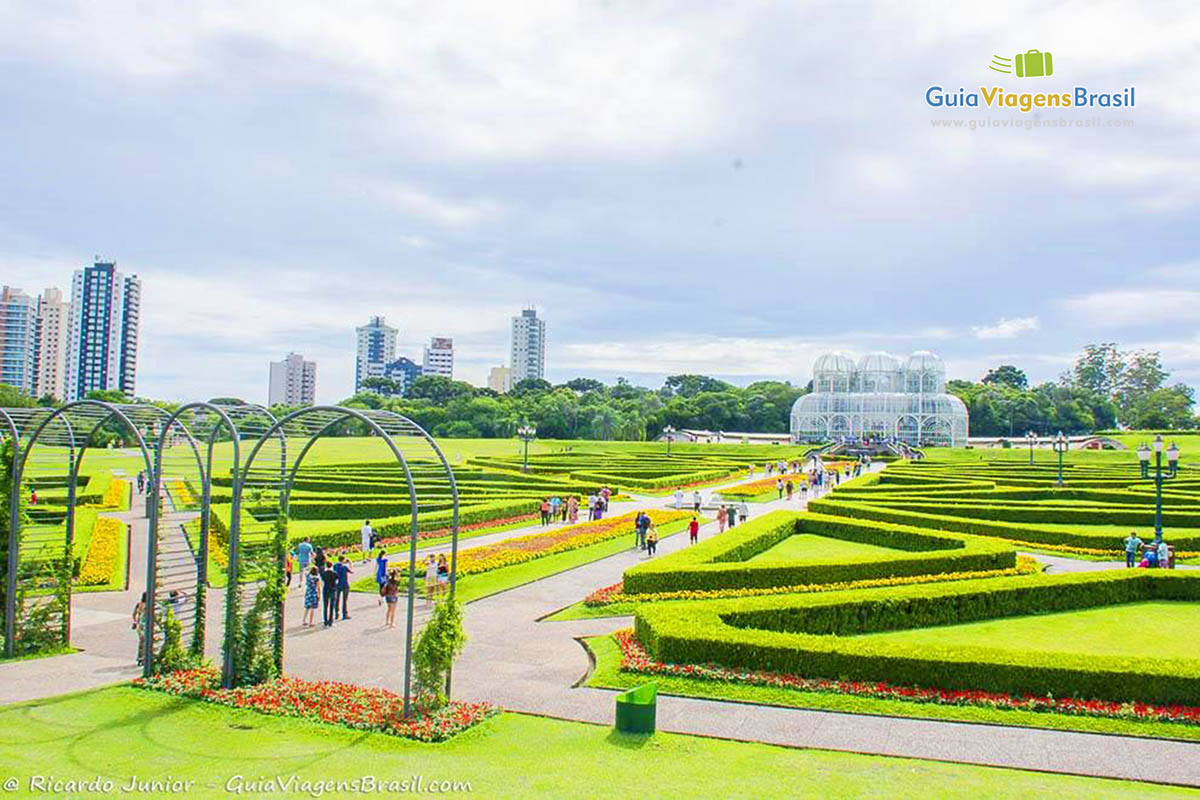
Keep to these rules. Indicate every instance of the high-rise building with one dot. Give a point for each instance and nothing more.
(293, 381)
(51, 344)
(403, 371)
(103, 335)
(376, 349)
(500, 379)
(439, 357)
(18, 318)
(528, 347)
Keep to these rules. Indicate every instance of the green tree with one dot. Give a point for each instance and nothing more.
(1007, 375)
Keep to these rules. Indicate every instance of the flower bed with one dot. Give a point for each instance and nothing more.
(101, 558)
(634, 658)
(561, 540)
(117, 495)
(763, 486)
(395, 541)
(616, 593)
(345, 704)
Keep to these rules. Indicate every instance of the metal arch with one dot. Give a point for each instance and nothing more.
(154, 490)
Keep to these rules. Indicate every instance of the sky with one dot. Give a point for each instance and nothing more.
(722, 188)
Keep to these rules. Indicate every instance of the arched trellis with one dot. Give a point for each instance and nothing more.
(172, 563)
(406, 442)
(68, 430)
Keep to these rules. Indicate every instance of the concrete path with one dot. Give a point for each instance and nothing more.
(526, 665)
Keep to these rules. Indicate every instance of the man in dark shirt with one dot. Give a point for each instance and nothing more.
(342, 570)
(329, 593)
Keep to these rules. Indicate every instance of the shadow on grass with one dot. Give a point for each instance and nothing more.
(628, 741)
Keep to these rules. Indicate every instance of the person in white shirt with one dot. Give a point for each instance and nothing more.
(696, 501)
(367, 535)
(679, 498)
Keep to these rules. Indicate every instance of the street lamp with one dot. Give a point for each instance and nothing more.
(1143, 453)
(1060, 447)
(527, 433)
(1173, 458)
(1031, 437)
(667, 431)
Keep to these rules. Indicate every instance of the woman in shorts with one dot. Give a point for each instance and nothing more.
(391, 596)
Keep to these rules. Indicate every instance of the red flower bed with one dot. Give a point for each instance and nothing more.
(433, 534)
(357, 707)
(634, 658)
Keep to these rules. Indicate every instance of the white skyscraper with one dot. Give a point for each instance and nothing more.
(18, 319)
(50, 359)
(528, 347)
(499, 379)
(293, 382)
(103, 335)
(439, 357)
(376, 349)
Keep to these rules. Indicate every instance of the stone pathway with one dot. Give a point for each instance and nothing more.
(530, 666)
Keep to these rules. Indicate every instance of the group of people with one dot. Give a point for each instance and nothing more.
(1152, 555)
(326, 584)
(566, 509)
(729, 515)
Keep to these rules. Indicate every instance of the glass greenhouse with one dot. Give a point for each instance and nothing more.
(879, 398)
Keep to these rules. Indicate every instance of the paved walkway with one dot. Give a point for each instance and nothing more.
(526, 665)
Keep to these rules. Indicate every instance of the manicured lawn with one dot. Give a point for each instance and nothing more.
(122, 732)
(608, 675)
(811, 547)
(1160, 628)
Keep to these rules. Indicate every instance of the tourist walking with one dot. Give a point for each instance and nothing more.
(289, 564)
(791, 488)
(693, 531)
(562, 510)
(722, 518)
(391, 596)
(696, 499)
(1164, 554)
(381, 570)
(678, 498)
(554, 504)
(651, 540)
(732, 514)
(545, 509)
(593, 501)
(312, 598)
(367, 535)
(779, 487)
(573, 509)
(605, 493)
(304, 553)
(141, 482)
(1132, 545)
(743, 511)
(443, 574)
(342, 569)
(430, 577)
(329, 593)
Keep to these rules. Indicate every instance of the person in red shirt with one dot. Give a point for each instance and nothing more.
(693, 530)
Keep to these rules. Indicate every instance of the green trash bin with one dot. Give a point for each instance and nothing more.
(637, 709)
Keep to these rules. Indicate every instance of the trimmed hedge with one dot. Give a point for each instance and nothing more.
(722, 562)
(808, 634)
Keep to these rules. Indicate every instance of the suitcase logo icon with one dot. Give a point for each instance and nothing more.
(1030, 64)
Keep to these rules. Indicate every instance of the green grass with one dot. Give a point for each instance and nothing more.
(474, 587)
(1134, 629)
(121, 732)
(812, 547)
(608, 675)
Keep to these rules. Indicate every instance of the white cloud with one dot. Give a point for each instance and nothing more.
(1006, 328)
(1129, 307)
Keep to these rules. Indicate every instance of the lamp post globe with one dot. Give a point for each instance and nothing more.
(1172, 460)
(1158, 482)
(1031, 437)
(1060, 447)
(668, 432)
(527, 433)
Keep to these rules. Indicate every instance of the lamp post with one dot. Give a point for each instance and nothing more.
(668, 431)
(1060, 447)
(1031, 437)
(1158, 450)
(1172, 460)
(527, 433)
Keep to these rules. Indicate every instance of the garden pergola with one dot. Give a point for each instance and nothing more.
(187, 453)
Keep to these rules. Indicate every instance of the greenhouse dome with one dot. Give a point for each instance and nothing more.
(880, 399)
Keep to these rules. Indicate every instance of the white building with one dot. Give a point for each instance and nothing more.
(293, 382)
(50, 359)
(500, 379)
(18, 319)
(439, 357)
(528, 347)
(376, 349)
(103, 334)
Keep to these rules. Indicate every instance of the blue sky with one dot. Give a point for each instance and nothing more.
(720, 188)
